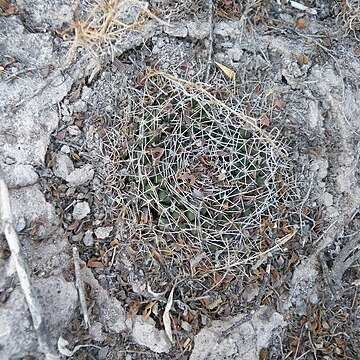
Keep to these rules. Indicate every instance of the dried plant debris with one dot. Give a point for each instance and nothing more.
(104, 27)
(349, 16)
(194, 181)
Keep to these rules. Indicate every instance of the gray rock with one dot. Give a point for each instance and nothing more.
(144, 333)
(20, 175)
(73, 130)
(103, 232)
(198, 30)
(177, 30)
(81, 176)
(65, 149)
(20, 224)
(28, 204)
(32, 49)
(112, 315)
(63, 166)
(81, 210)
(88, 238)
(17, 337)
(47, 15)
(96, 331)
(58, 299)
(243, 343)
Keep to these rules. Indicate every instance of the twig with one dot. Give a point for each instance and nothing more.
(344, 260)
(326, 274)
(80, 287)
(22, 272)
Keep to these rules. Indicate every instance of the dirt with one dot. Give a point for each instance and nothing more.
(280, 85)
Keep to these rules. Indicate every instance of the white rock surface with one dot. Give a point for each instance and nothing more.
(80, 176)
(19, 175)
(244, 343)
(57, 297)
(28, 203)
(112, 314)
(145, 333)
(198, 30)
(62, 166)
(103, 232)
(81, 210)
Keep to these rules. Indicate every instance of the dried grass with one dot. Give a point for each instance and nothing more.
(99, 24)
(349, 17)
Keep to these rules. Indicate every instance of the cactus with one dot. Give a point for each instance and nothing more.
(207, 178)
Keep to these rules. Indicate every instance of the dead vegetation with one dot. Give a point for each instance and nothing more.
(100, 25)
(196, 180)
(349, 17)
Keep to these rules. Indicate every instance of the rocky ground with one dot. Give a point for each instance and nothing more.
(74, 80)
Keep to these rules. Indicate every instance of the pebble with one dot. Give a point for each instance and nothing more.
(65, 149)
(63, 166)
(73, 130)
(20, 224)
(81, 176)
(81, 210)
(103, 232)
(88, 238)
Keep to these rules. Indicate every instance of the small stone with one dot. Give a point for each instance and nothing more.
(63, 166)
(20, 175)
(81, 210)
(73, 130)
(145, 333)
(81, 176)
(198, 30)
(77, 238)
(65, 149)
(88, 238)
(9, 160)
(103, 232)
(80, 106)
(176, 30)
(96, 332)
(328, 199)
(20, 224)
(186, 326)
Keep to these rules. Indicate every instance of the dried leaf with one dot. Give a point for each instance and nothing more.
(156, 154)
(215, 303)
(264, 120)
(166, 316)
(301, 23)
(133, 309)
(294, 258)
(302, 59)
(231, 74)
(61, 134)
(147, 311)
(95, 263)
(75, 95)
(119, 65)
(114, 242)
(9, 9)
(280, 104)
(325, 325)
(187, 343)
